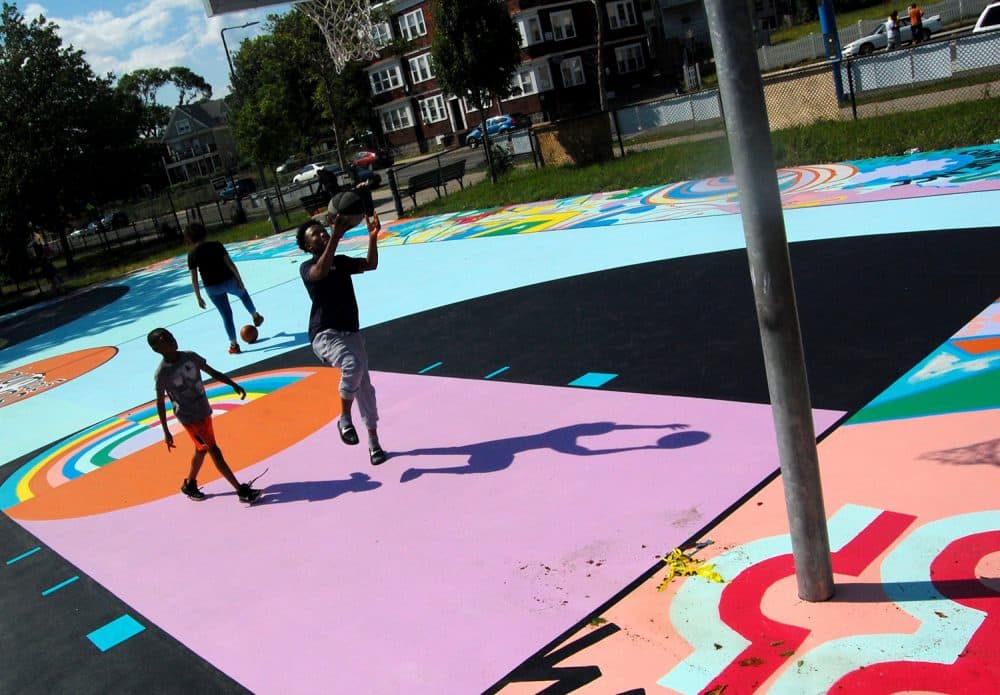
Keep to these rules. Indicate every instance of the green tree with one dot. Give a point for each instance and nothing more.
(476, 51)
(287, 94)
(66, 136)
(146, 83)
(189, 85)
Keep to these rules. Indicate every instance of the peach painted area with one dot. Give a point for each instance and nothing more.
(988, 571)
(246, 435)
(52, 372)
(907, 466)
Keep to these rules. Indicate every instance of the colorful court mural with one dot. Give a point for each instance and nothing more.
(514, 541)
(918, 579)
(887, 178)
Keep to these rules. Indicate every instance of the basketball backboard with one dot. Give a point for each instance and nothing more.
(215, 7)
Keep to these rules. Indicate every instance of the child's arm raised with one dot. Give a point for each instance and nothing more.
(161, 410)
(216, 374)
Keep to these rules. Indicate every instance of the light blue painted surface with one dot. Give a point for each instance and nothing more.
(165, 298)
(115, 632)
(60, 585)
(20, 557)
(594, 380)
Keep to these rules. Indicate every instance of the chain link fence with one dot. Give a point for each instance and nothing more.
(922, 76)
(934, 73)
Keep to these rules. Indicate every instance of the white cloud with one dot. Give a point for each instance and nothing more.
(157, 33)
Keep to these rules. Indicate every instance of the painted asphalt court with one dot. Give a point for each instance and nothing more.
(551, 435)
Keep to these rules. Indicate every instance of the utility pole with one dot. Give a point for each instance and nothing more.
(742, 91)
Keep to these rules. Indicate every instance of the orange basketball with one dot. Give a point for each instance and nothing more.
(248, 333)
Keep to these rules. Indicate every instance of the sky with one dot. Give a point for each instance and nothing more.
(123, 35)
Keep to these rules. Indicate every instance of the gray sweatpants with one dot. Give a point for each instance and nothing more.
(346, 351)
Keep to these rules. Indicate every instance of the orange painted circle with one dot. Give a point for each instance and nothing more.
(27, 380)
(247, 435)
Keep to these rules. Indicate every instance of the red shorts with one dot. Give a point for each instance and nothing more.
(201, 433)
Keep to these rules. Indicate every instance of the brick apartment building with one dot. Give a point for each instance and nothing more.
(557, 76)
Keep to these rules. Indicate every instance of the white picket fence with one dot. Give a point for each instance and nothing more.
(811, 47)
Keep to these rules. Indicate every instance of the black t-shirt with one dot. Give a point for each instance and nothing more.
(209, 257)
(333, 302)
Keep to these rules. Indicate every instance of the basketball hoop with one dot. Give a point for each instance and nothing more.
(347, 27)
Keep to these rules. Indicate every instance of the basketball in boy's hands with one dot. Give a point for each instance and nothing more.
(249, 333)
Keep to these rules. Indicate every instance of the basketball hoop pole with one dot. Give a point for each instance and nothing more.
(742, 91)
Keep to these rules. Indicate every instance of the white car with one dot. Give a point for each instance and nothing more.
(989, 20)
(878, 40)
(310, 171)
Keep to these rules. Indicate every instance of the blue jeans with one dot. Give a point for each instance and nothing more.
(219, 294)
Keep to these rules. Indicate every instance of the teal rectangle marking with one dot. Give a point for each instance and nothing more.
(499, 371)
(57, 587)
(115, 632)
(23, 555)
(430, 367)
(592, 380)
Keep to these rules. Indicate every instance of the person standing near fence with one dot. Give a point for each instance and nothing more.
(916, 23)
(892, 31)
(220, 277)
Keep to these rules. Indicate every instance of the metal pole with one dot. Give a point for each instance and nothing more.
(394, 187)
(742, 93)
(229, 59)
(271, 216)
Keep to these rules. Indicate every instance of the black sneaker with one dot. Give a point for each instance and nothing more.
(248, 494)
(378, 455)
(190, 488)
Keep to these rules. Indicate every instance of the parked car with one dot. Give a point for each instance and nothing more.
(373, 159)
(495, 125)
(115, 220)
(238, 189)
(878, 39)
(521, 120)
(286, 165)
(989, 20)
(308, 172)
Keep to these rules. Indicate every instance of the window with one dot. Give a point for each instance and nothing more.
(544, 76)
(421, 69)
(381, 34)
(562, 25)
(572, 72)
(432, 110)
(411, 24)
(630, 58)
(396, 119)
(523, 83)
(531, 30)
(385, 79)
(621, 14)
(183, 126)
(469, 107)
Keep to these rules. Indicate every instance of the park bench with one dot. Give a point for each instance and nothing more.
(436, 179)
(315, 201)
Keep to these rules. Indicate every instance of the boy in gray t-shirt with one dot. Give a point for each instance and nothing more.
(179, 377)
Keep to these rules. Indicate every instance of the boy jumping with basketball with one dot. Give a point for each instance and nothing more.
(333, 319)
(179, 376)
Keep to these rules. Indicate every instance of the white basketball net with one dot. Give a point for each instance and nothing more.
(347, 26)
